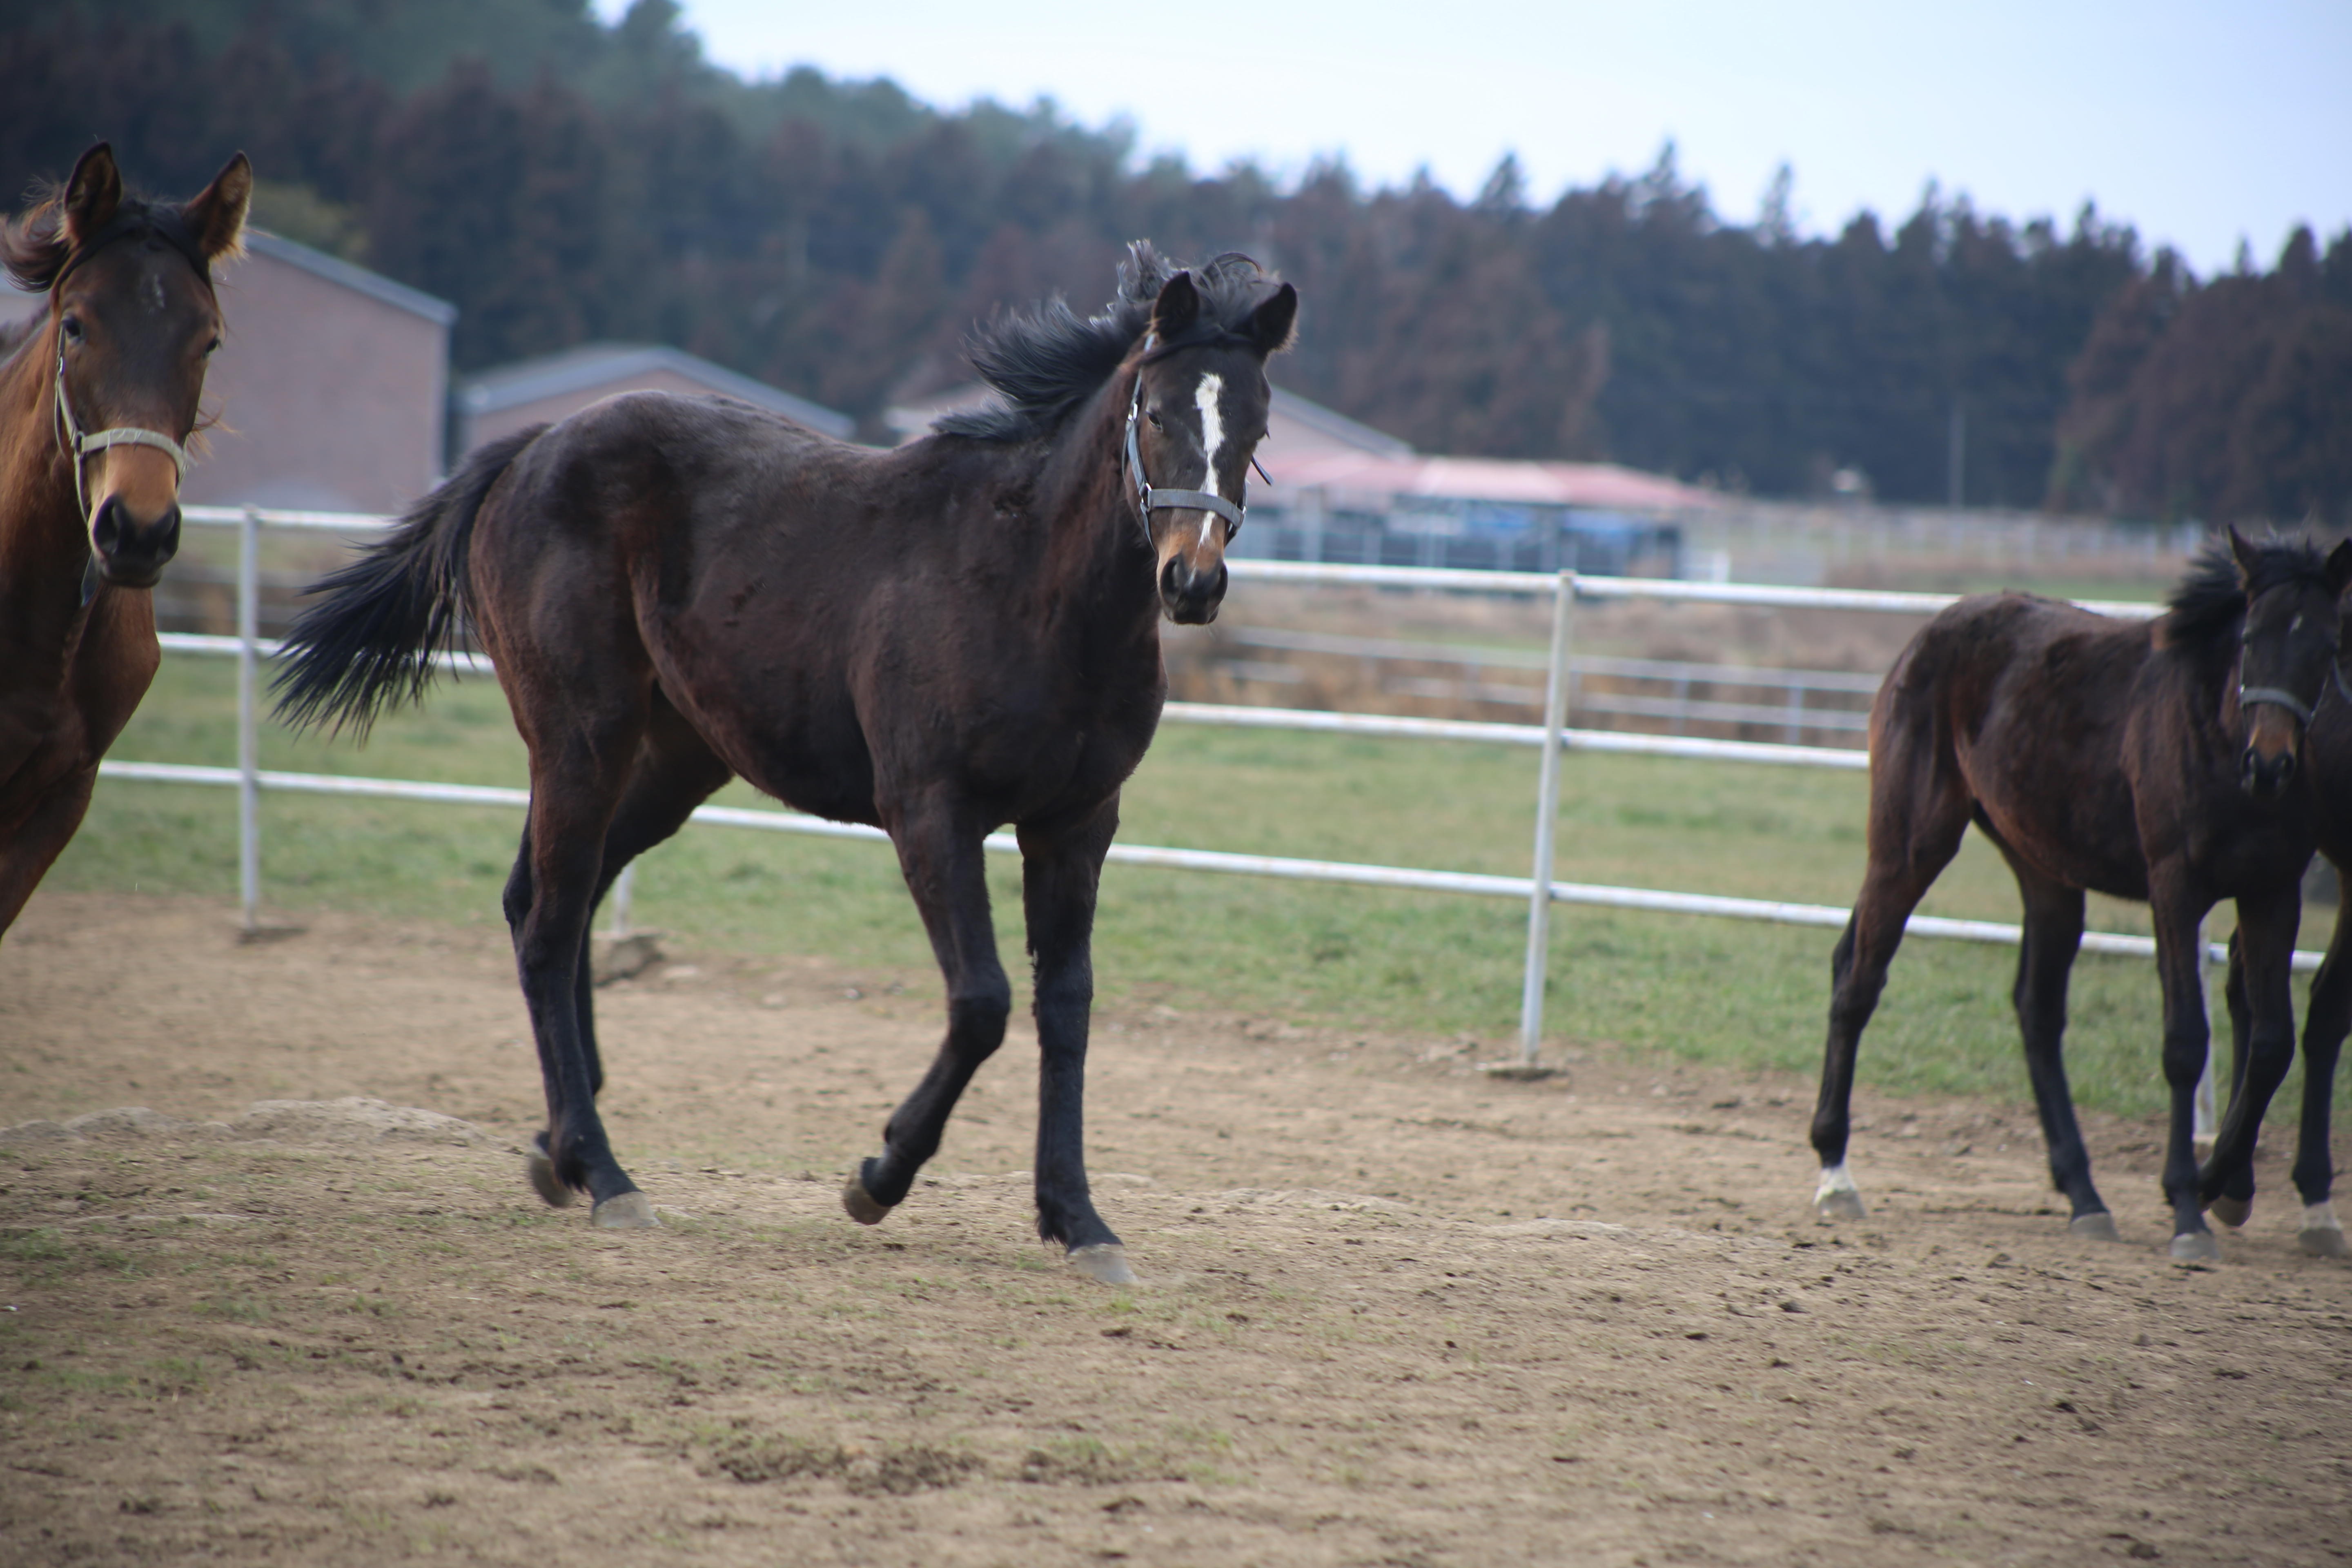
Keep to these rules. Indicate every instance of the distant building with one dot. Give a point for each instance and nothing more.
(331, 385)
(540, 391)
(331, 382)
(1338, 489)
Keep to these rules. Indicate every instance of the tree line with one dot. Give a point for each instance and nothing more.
(838, 239)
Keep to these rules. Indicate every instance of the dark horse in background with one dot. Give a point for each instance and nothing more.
(939, 640)
(96, 404)
(2151, 761)
(2327, 748)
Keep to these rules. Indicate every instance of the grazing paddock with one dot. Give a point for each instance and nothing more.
(1725, 992)
(1392, 1311)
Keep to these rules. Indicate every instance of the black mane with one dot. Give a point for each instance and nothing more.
(2210, 602)
(1044, 362)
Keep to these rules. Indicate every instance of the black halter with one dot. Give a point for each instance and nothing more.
(1150, 498)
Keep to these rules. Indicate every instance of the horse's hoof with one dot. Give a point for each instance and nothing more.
(1105, 1260)
(2323, 1241)
(2099, 1227)
(860, 1203)
(624, 1211)
(550, 1186)
(2232, 1212)
(2196, 1247)
(1836, 1198)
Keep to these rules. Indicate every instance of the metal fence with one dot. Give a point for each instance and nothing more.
(1550, 739)
(1834, 702)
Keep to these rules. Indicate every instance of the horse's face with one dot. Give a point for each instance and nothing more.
(2291, 635)
(1202, 412)
(135, 324)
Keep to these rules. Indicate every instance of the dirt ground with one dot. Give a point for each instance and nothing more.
(1393, 1311)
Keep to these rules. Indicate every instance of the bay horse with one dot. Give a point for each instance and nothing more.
(98, 403)
(938, 641)
(2327, 1017)
(2155, 761)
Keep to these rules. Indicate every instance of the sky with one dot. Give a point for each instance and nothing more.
(2201, 126)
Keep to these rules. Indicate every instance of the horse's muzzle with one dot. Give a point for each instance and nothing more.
(1190, 597)
(2265, 778)
(132, 554)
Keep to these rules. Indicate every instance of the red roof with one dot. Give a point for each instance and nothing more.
(1375, 477)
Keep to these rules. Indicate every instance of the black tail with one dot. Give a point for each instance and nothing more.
(370, 642)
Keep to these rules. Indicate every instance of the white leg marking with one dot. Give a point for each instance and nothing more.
(2321, 1215)
(1834, 1179)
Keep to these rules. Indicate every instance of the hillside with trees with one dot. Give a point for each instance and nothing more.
(838, 239)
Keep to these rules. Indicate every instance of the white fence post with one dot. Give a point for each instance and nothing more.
(248, 750)
(1531, 994)
(623, 886)
(2202, 1118)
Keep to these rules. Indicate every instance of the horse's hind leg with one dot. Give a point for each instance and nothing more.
(1917, 816)
(580, 767)
(674, 772)
(1061, 872)
(941, 855)
(2328, 1019)
(2045, 961)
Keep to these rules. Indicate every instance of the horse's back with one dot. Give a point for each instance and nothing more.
(2024, 703)
(827, 617)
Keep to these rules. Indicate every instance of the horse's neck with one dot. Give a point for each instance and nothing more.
(1097, 548)
(43, 546)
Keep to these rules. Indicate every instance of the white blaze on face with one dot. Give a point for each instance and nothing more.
(1213, 425)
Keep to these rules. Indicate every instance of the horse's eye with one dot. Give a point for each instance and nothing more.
(213, 347)
(71, 327)
(1153, 415)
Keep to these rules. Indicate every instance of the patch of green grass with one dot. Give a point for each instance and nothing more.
(1730, 993)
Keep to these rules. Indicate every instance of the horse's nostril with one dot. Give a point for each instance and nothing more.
(105, 528)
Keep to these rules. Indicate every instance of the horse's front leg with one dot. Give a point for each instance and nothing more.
(2179, 970)
(2328, 1018)
(1061, 870)
(939, 852)
(28, 851)
(2265, 948)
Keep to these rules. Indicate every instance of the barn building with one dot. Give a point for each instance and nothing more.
(540, 391)
(329, 388)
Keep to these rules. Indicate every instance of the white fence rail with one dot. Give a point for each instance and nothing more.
(1539, 890)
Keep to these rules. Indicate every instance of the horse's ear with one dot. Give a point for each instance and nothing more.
(2241, 552)
(1272, 324)
(1178, 307)
(2339, 568)
(93, 192)
(216, 216)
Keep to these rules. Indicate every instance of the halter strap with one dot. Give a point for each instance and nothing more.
(78, 445)
(2279, 696)
(1148, 498)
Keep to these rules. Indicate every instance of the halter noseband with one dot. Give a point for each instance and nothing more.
(1150, 498)
(79, 444)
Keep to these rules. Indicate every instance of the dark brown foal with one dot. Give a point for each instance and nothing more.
(2155, 761)
(939, 640)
